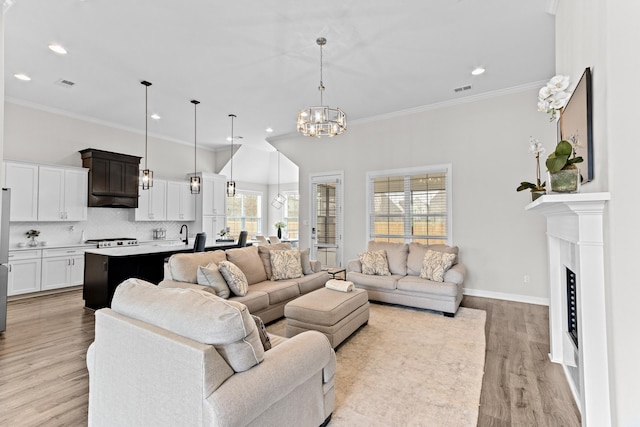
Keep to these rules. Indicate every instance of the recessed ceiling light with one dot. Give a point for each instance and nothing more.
(55, 47)
(477, 71)
(269, 130)
(155, 116)
(22, 77)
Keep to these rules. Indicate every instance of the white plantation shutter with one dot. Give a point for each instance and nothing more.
(410, 205)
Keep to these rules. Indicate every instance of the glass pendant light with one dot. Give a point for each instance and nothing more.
(194, 181)
(279, 200)
(147, 174)
(231, 184)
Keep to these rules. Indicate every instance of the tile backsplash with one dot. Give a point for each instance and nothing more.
(101, 223)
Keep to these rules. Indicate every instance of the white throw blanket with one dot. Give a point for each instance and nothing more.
(340, 285)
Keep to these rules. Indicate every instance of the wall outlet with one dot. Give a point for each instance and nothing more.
(527, 279)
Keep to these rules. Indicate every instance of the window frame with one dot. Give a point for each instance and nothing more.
(286, 218)
(406, 172)
(260, 219)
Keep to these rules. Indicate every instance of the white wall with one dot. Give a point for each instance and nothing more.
(603, 34)
(44, 137)
(486, 141)
(39, 136)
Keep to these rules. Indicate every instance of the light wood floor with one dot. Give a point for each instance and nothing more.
(44, 380)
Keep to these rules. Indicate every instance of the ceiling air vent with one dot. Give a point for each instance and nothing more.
(65, 83)
(462, 88)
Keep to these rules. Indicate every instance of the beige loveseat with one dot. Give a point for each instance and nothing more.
(403, 285)
(185, 357)
(266, 298)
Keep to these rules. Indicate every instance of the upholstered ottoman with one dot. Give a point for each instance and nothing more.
(336, 314)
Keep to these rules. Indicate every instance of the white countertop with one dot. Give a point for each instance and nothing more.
(58, 246)
(152, 248)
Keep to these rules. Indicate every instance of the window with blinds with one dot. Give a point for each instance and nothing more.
(410, 205)
(244, 212)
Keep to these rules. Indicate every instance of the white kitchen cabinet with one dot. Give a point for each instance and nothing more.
(62, 268)
(213, 193)
(22, 178)
(24, 272)
(212, 226)
(181, 204)
(152, 203)
(62, 193)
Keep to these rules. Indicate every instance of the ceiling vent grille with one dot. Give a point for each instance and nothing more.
(65, 83)
(462, 88)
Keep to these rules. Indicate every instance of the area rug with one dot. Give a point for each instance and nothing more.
(410, 367)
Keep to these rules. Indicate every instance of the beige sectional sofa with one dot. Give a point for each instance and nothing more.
(266, 298)
(185, 357)
(403, 285)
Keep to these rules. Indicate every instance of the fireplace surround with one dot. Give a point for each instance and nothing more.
(578, 339)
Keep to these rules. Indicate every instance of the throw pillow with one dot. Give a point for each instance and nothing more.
(305, 262)
(248, 260)
(285, 265)
(262, 331)
(210, 276)
(374, 262)
(234, 277)
(263, 251)
(417, 252)
(435, 264)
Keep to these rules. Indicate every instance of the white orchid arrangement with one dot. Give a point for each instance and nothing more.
(536, 148)
(553, 96)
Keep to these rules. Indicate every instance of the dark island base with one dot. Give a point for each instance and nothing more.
(103, 273)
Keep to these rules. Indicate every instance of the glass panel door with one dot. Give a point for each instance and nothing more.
(326, 233)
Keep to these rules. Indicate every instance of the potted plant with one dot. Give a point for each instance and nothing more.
(32, 234)
(538, 188)
(279, 226)
(564, 175)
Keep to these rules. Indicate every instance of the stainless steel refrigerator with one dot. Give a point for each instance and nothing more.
(4, 256)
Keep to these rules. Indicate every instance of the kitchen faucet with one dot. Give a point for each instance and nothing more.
(186, 235)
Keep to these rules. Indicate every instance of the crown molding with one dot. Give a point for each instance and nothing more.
(431, 107)
(105, 123)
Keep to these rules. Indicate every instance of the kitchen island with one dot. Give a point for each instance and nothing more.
(106, 268)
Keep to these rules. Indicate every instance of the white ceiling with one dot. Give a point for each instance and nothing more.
(260, 61)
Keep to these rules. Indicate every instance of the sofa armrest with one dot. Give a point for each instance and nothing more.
(316, 265)
(245, 395)
(455, 274)
(354, 265)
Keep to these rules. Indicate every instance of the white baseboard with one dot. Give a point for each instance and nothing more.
(506, 297)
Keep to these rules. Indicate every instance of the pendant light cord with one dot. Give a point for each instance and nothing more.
(321, 87)
(232, 117)
(146, 122)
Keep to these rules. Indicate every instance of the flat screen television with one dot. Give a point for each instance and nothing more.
(576, 124)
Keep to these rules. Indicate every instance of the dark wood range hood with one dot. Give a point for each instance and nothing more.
(113, 178)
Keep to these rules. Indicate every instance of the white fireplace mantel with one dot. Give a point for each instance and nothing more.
(575, 241)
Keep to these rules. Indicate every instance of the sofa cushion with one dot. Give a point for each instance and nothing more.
(285, 264)
(416, 255)
(210, 276)
(374, 282)
(311, 282)
(248, 260)
(305, 262)
(396, 255)
(255, 300)
(184, 267)
(234, 277)
(435, 264)
(424, 286)
(263, 251)
(374, 263)
(278, 291)
(198, 315)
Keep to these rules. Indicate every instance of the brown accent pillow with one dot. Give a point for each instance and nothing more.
(248, 260)
(263, 251)
(262, 331)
